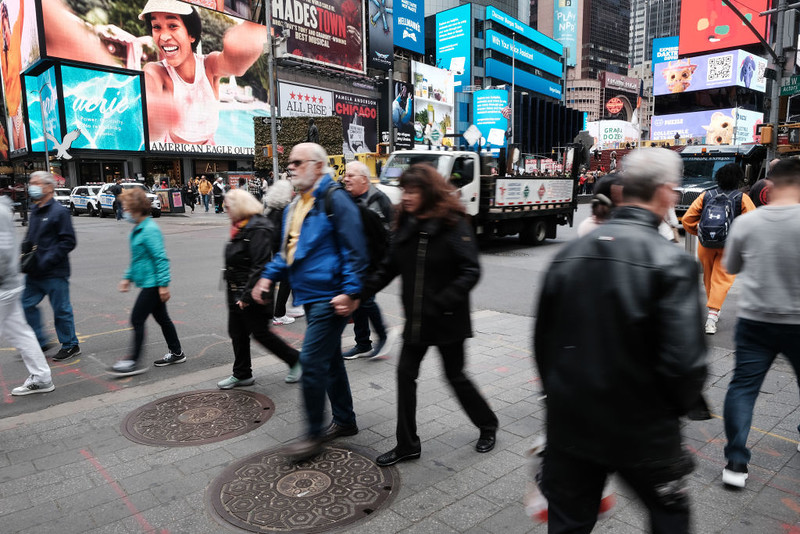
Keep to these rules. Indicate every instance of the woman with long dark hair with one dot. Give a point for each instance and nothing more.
(435, 254)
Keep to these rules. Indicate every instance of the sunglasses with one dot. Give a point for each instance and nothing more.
(299, 162)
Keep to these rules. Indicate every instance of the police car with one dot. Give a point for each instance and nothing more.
(107, 200)
(61, 195)
(83, 199)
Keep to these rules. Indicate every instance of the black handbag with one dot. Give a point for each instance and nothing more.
(27, 258)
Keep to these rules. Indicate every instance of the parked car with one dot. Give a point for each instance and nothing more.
(107, 201)
(83, 199)
(61, 195)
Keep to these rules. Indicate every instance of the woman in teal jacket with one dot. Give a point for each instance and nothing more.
(149, 270)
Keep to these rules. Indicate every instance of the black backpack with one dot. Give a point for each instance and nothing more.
(719, 210)
(375, 233)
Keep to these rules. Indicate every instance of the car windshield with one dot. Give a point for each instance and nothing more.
(93, 190)
(61, 192)
(697, 171)
(390, 175)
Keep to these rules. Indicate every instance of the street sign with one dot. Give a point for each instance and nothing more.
(791, 86)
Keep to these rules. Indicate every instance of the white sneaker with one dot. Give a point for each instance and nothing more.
(711, 327)
(734, 478)
(31, 386)
(295, 311)
(278, 321)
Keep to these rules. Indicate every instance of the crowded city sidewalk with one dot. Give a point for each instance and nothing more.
(69, 468)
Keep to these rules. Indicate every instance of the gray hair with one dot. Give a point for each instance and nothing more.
(317, 153)
(46, 177)
(279, 194)
(359, 168)
(646, 169)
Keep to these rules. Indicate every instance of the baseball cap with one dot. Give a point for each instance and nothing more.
(166, 6)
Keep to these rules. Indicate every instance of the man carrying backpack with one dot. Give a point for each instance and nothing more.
(376, 217)
(709, 218)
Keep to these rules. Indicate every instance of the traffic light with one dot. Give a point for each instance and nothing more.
(553, 155)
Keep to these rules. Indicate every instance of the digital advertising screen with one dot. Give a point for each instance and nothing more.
(708, 25)
(723, 69)
(454, 43)
(359, 114)
(237, 8)
(434, 97)
(565, 28)
(716, 127)
(20, 50)
(665, 49)
(202, 88)
(612, 133)
(381, 34)
(106, 107)
(522, 78)
(46, 86)
(526, 31)
(329, 33)
(403, 116)
(409, 25)
(524, 54)
(488, 108)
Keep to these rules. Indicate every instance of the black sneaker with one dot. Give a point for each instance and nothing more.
(66, 354)
(170, 358)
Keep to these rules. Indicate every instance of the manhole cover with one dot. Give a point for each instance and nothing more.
(267, 493)
(198, 417)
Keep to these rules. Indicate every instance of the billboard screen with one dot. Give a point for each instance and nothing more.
(708, 25)
(724, 69)
(524, 54)
(21, 49)
(381, 36)
(237, 8)
(329, 33)
(202, 89)
(488, 106)
(409, 25)
(717, 127)
(105, 106)
(522, 78)
(433, 104)
(664, 49)
(359, 114)
(46, 86)
(565, 28)
(403, 116)
(454, 43)
(523, 29)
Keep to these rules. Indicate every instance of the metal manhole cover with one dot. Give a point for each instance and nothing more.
(197, 417)
(265, 492)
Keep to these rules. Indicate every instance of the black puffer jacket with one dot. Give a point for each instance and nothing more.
(438, 265)
(245, 257)
(619, 342)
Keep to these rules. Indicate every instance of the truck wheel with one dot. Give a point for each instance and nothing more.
(534, 233)
(90, 210)
(101, 213)
(72, 210)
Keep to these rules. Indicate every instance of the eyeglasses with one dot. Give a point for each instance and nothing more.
(299, 162)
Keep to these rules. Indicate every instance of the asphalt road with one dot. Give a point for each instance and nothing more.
(509, 284)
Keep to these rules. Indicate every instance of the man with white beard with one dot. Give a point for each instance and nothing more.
(323, 258)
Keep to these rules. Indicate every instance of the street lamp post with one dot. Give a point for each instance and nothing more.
(273, 131)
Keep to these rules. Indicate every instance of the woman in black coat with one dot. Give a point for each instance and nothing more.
(249, 249)
(435, 254)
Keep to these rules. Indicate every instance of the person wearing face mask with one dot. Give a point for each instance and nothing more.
(149, 270)
(323, 258)
(51, 232)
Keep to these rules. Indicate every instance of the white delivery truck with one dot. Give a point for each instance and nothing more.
(529, 206)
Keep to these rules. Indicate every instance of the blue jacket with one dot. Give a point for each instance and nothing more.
(149, 263)
(50, 228)
(331, 253)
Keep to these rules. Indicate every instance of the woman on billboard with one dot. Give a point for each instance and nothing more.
(183, 86)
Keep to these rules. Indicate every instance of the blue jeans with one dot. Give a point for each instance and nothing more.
(118, 208)
(323, 368)
(205, 201)
(757, 345)
(57, 290)
(367, 312)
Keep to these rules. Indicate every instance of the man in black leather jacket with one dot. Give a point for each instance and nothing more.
(621, 356)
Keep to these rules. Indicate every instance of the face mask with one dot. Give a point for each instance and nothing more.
(35, 192)
(128, 217)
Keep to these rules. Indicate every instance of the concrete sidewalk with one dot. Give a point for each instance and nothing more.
(69, 469)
